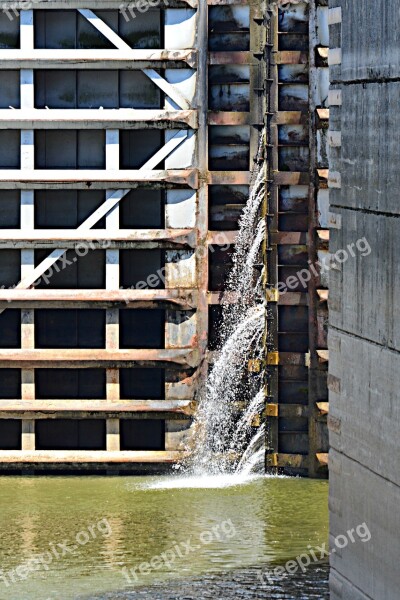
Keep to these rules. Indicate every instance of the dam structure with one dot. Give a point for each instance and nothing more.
(131, 136)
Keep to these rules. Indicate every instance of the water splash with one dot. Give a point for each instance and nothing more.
(216, 421)
(225, 440)
(254, 454)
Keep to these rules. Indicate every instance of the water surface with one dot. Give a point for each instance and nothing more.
(81, 537)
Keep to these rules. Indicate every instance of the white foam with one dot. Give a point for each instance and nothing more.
(201, 482)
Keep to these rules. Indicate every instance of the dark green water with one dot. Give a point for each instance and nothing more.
(107, 524)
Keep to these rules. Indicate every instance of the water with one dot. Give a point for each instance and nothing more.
(214, 431)
(223, 441)
(267, 522)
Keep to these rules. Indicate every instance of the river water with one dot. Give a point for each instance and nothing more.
(159, 537)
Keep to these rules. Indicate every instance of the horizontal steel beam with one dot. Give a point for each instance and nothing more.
(25, 238)
(79, 358)
(222, 297)
(94, 4)
(94, 179)
(87, 456)
(290, 117)
(229, 118)
(291, 178)
(220, 238)
(288, 237)
(44, 409)
(291, 57)
(181, 298)
(294, 461)
(122, 118)
(228, 177)
(293, 299)
(231, 58)
(97, 59)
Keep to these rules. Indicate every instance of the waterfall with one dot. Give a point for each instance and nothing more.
(225, 439)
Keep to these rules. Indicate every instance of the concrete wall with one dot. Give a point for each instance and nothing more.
(364, 344)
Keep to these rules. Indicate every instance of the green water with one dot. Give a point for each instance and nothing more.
(111, 523)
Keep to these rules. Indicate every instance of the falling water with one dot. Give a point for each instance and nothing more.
(216, 424)
(224, 439)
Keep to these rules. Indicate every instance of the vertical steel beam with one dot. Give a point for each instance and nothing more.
(112, 283)
(27, 222)
(270, 256)
(312, 245)
(202, 197)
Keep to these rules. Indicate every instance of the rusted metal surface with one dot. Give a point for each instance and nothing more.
(73, 457)
(228, 104)
(48, 238)
(323, 295)
(96, 59)
(291, 178)
(97, 4)
(229, 58)
(45, 409)
(229, 177)
(79, 358)
(93, 179)
(291, 57)
(295, 238)
(228, 118)
(291, 117)
(289, 237)
(124, 118)
(323, 407)
(129, 298)
(322, 458)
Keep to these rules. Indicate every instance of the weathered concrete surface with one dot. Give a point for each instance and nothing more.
(370, 123)
(370, 34)
(363, 295)
(364, 337)
(366, 569)
(364, 417)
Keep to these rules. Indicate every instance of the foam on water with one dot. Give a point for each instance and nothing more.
(201, 481)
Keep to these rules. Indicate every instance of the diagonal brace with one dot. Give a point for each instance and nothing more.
(104, 209)
(119, 43)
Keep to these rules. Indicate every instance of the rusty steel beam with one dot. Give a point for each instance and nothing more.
(291, 57)
(323, 295)
(14, 457)
(230, 58)
(97, 59)
(123, 118)
(291, 117)
(289, 237)
(293, 461)
(293, 299)
(323, 356)
(94, 4)
(83, 358)
(185, 237)
(323, 407)
(222, 297)
(132, 298)
(229, 118)
(323, 459)
(44, 409)
(291, 178)
(221, 237)
(94, 179)
(229, 177)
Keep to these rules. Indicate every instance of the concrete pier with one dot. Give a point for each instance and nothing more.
(364, 344)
